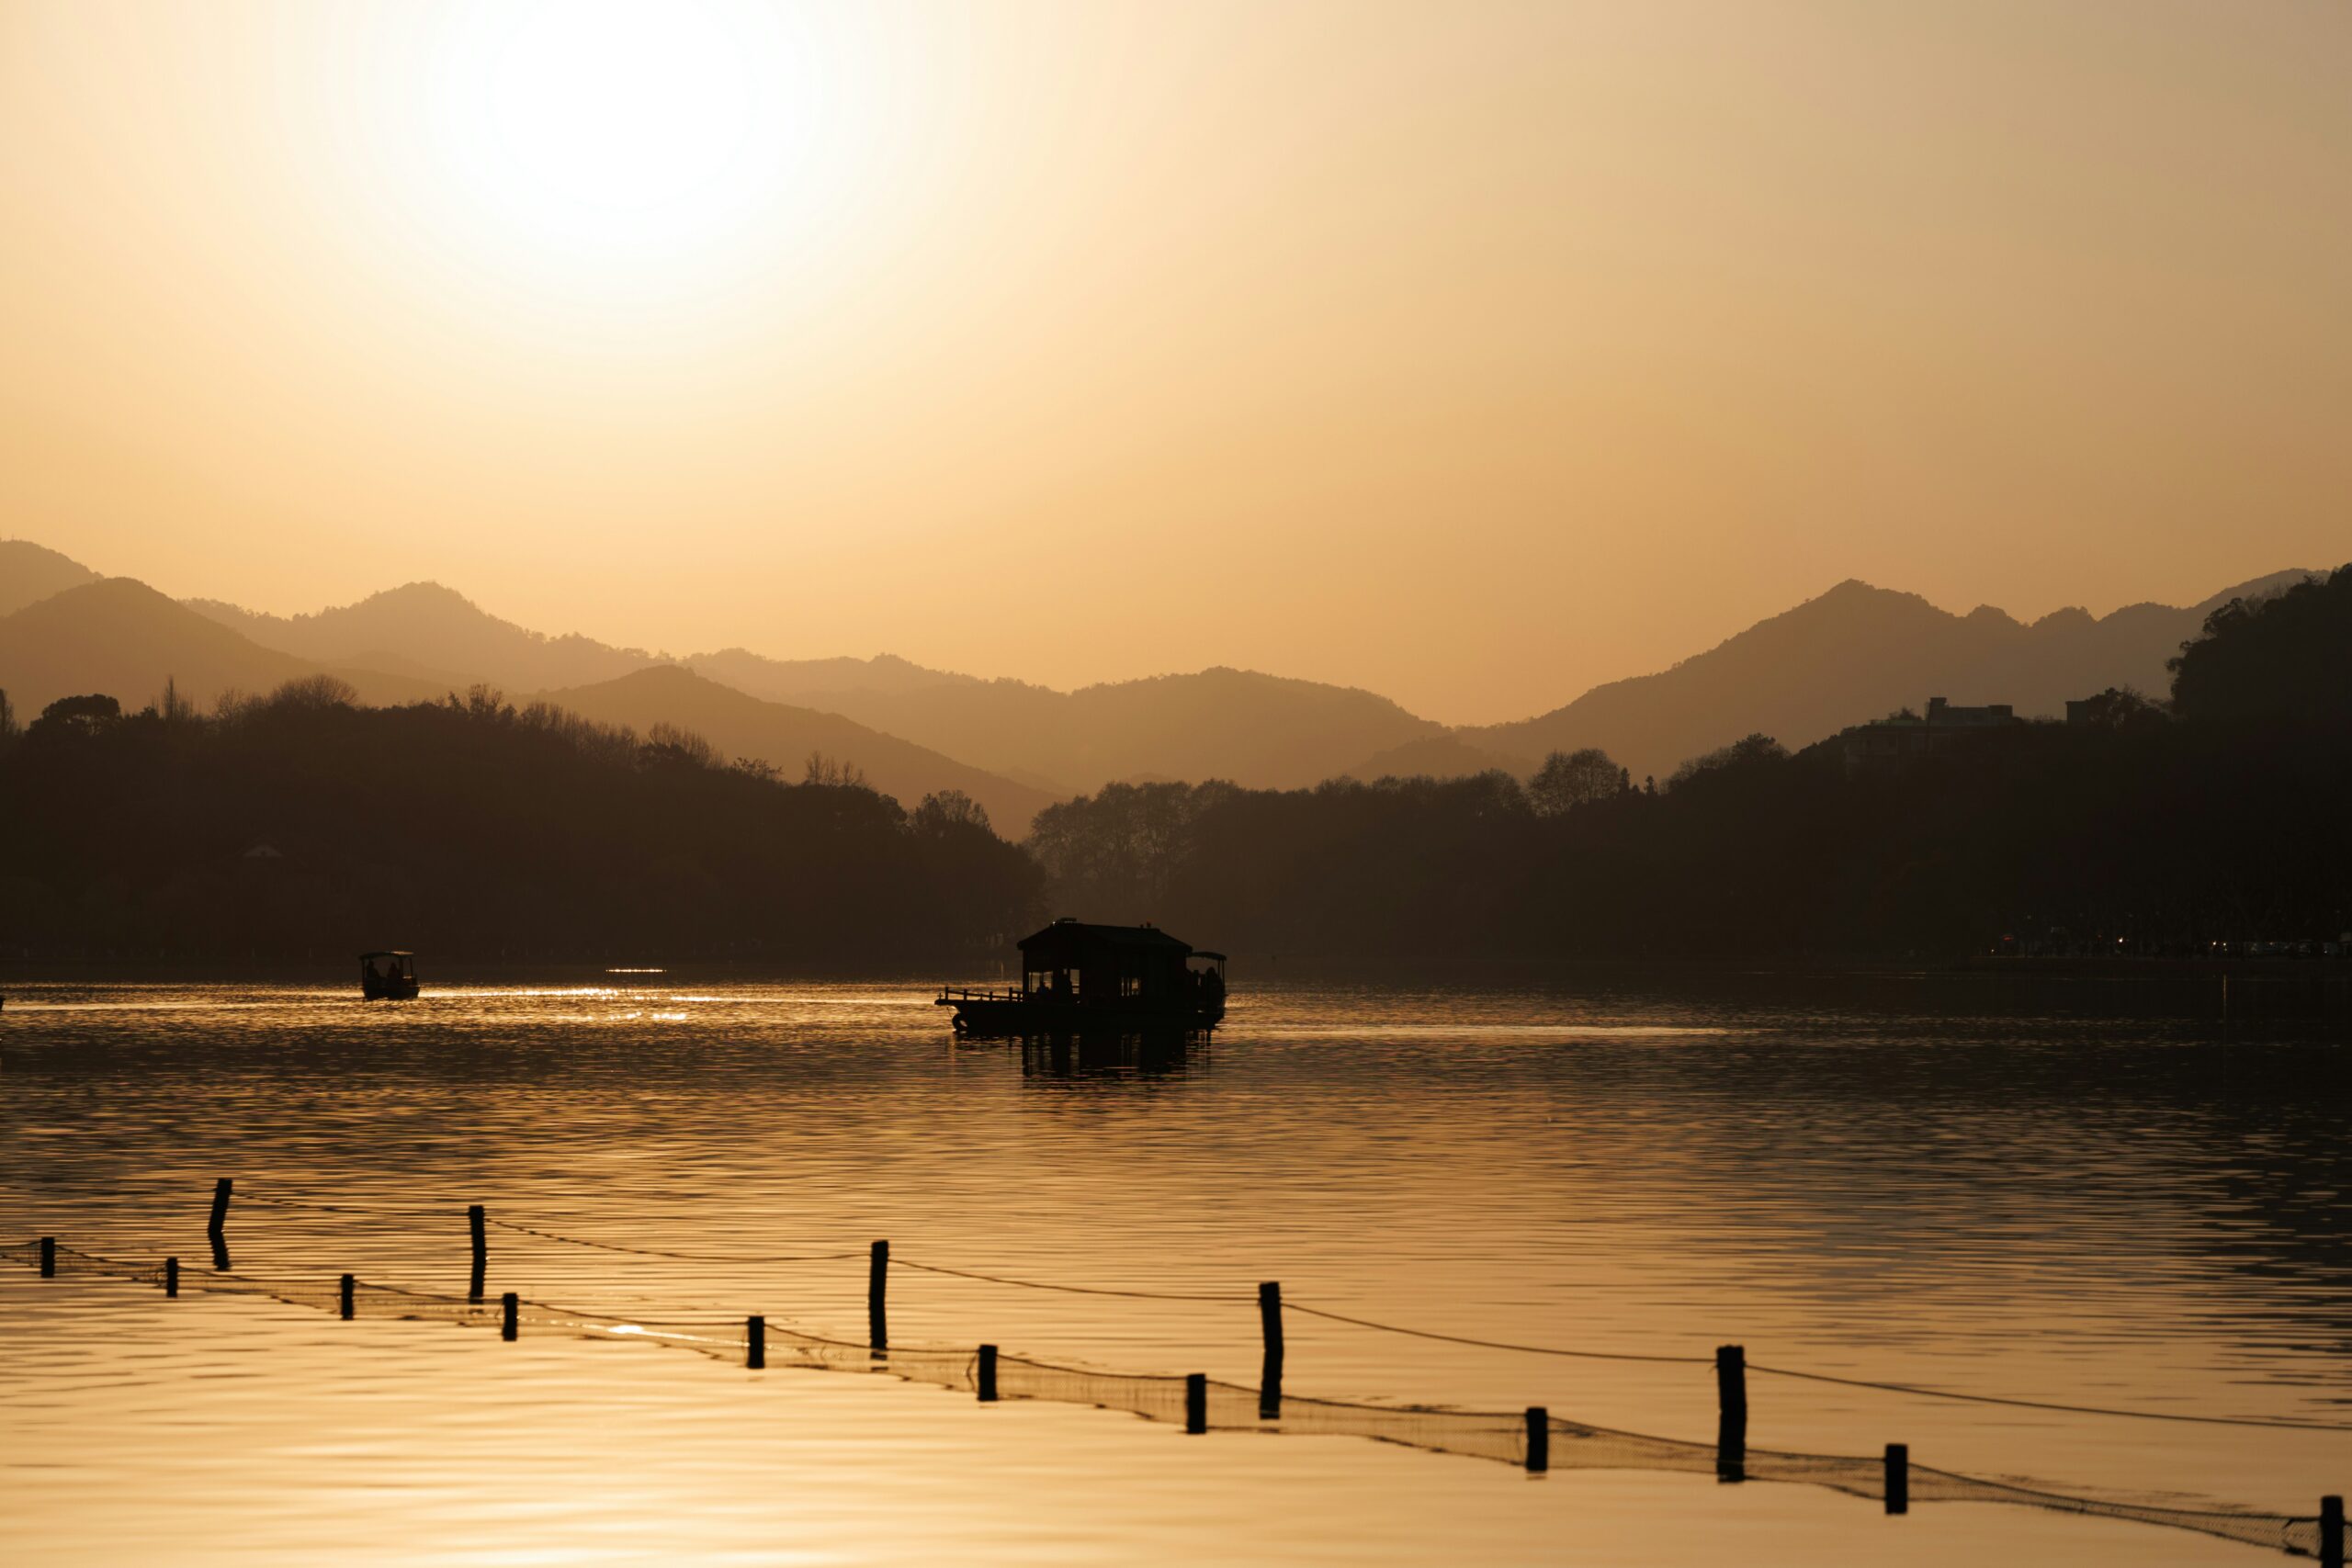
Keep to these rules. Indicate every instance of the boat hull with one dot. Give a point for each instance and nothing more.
(978, 1015)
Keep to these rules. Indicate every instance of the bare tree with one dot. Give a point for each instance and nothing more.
(950, 809)
(668, 743)
(824, 770)
(1570, 779)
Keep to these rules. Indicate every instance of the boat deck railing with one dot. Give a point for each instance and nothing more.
(948, 994)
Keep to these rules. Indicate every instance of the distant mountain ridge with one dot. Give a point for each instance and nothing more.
(742, 726)
(1262, 730)
(31, 573)
(1446, 756)
(1857, 652)
(118, 636)
(1265, 731)
(425, 627)
(1846, 655)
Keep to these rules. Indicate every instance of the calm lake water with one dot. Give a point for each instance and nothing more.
(2099, 1195)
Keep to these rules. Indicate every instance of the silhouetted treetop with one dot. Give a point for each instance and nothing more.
(1570, 779)
(948, 811)
(75, 718)
(469, 827)
(2287, 655)
(1743, 755)
(2117, 707)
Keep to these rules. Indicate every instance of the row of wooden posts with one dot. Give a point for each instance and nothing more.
(1731, 1366)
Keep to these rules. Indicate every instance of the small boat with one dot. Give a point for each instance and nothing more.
(1076, 977)
(387, 976)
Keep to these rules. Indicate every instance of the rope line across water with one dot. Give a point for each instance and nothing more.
(680, 1256)
(1495, 1343)
(420, 1210)
(2266, 1421)
(1075, 1290)
(1492, 1435)
(2269, 1423)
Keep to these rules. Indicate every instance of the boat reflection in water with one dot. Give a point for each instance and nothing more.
(1109, 1053)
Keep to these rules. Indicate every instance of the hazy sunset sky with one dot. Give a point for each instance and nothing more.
(1471, 353)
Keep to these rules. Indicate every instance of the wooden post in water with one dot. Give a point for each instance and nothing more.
(1196, 1402)
(1539, 1439)
(343, 1294)
(1730, 1413)
(507, 1312)
(878, 1288)
(1898, 1478)
(1270, 1376)
(49, 1258)
(478, 1223)
(2331, 1532)
(171, 1276)
(755, 1342)
(220, 1190)
(986, 1377)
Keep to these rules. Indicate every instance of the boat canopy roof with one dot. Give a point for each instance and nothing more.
(1076, 937)
(388, 953)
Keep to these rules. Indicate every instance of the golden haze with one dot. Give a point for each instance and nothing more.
(1472, 355)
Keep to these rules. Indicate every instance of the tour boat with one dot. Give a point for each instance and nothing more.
(1076, 977)
(387, 976)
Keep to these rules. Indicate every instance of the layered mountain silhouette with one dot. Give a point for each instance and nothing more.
(1852, 654)
(1260, 730)
(119, 636)
(1447, 756)
(29, 574)
(436, 634)
(742, 726)
(1856, 653)
(804, 681)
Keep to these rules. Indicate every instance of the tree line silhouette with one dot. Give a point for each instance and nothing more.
(301, 823)
(2139, 828)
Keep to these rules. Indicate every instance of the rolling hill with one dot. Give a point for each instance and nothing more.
(119, 636)
(1259, 731)
(31, 573)
(1444, 756)
(1853, 654)
(1256, 729)
(741, 725)
(801, 682)
(437, 635)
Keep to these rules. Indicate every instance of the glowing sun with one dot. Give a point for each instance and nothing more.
(618, 137)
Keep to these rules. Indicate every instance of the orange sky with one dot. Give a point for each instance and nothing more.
(1472, 353)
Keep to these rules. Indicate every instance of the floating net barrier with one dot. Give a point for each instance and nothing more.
(1293, 1303)
(765, 1258)
(1196, 1402)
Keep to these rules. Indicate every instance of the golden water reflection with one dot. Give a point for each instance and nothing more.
(2127, 1211)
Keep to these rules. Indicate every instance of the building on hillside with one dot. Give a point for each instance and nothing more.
(1901, 737)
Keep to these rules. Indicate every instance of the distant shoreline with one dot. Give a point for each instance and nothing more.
(1248, 967)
